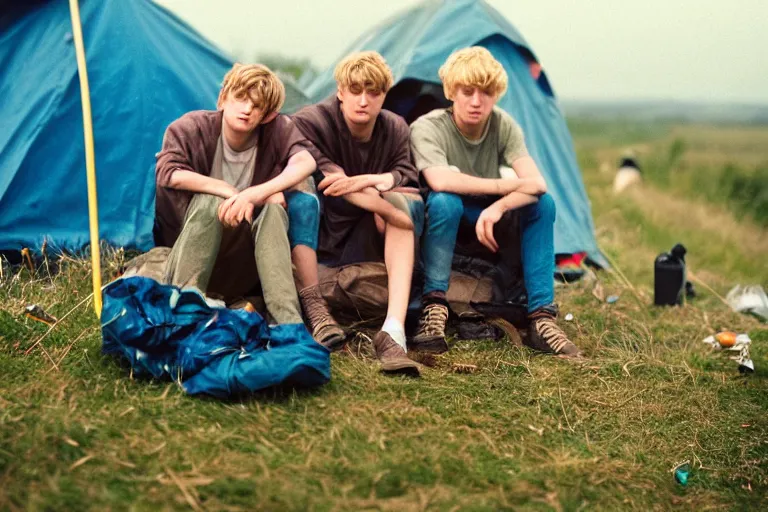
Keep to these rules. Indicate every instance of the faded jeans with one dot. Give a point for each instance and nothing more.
(445, 211)
(192, 258)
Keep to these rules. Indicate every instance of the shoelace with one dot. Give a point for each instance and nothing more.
(434, 321)
(548, 330)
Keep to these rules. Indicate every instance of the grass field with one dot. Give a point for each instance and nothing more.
(525, 431)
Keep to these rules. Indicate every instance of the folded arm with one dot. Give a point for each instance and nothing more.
(449, 179)
(196, 182)
(300, 166)
(367, 197)
(339, 184)
(526, 168)
(241, 206)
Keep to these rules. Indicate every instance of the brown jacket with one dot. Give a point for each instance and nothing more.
(388, 150)
(190, 144)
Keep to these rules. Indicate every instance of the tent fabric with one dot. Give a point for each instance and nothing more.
(165, 332)
(145, 68)
(417, 42)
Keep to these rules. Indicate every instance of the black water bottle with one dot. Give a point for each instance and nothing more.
(669, 277)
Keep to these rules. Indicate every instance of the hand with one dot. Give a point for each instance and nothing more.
(330, 179)
(256, 195)
(228, 190)
(484, 227)
(278, 198)
(339, 185)
(235, 210)
(386, 182)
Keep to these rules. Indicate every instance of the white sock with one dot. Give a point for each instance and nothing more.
(394, 328)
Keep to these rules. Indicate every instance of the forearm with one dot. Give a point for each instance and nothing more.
(443, 179)
(370, 200)
(530, 186)
(294, 173)
(330, 169)
(530, 176)
(195, 182)
(515, 200)
(289, 178)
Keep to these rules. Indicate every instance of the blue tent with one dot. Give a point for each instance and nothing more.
(417, 42)
(146, 68)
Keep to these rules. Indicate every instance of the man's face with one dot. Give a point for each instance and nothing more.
(472, 105)
(359, 105)
(240, 114)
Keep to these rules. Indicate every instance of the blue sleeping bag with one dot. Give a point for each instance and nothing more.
(166, 332)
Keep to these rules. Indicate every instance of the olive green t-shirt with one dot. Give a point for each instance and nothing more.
(437, 141)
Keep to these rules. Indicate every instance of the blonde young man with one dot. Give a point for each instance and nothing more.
(461, 151)
(220, 177)
(364, 154)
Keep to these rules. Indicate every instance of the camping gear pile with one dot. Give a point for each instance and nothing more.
(164, 332)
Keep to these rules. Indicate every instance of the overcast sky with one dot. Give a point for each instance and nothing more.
(711, 50)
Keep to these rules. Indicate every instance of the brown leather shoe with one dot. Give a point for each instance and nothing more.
(323, 326)
(392, 357)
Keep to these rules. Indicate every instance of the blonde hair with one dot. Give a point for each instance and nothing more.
(368, 70)
(473, 67)
(256, 81)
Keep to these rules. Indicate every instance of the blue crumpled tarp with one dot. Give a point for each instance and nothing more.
(167, 332)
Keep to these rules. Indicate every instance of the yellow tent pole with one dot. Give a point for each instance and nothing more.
(90, 166)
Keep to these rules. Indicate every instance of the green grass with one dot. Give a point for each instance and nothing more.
(523, 432)
(722, 165)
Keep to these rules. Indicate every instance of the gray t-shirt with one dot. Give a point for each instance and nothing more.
(237, 166)
(437, 141)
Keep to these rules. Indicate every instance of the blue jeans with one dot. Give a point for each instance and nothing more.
(303, 218)
(445, 211)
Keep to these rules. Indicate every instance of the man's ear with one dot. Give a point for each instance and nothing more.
(338, 93)
(271, 117)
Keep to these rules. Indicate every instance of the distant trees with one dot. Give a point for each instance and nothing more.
(293, 66)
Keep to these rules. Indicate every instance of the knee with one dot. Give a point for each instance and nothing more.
(205, 203)
(444, 206)
(275, 213)
(303, 219)
(303, 209)
(417, 212)
(546, 207)
(204, 207)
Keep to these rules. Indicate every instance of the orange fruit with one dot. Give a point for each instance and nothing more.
(726, 338)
